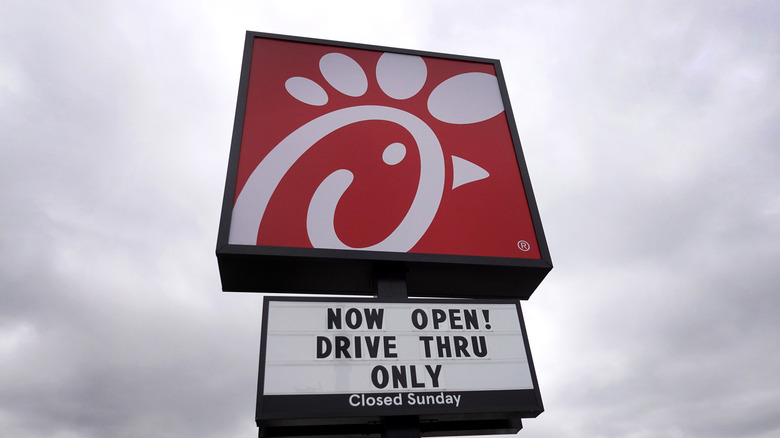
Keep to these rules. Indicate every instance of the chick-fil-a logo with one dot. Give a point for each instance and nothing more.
(357, 149)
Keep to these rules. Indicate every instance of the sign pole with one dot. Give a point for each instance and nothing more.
(401, 427)
(391, 286)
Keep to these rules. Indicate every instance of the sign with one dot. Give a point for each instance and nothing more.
(348, 157)
(351, 361)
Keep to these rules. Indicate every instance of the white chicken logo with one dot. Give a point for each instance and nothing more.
(462, 99)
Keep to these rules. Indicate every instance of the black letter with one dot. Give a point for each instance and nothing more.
(415, 383)
(334, 318)
(373, 349)
(443, 344)
(323, 347)
(480, 350)
(355, 320)
(427, 340)
(399, 376)
(471, 319)
(455, 319)
(434, 373)
(375, 376)
(342, 346)
(374, 317)
(419, 319)
(439, 316)
(390, 345)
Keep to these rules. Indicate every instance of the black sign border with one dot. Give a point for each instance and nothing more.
(253, 268)
(488, 412)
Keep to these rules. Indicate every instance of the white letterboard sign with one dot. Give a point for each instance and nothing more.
(356, 358)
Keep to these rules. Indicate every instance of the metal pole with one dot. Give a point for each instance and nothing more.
(391, 286)
(401, 427)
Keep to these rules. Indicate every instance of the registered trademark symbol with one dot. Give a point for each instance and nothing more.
(523, 245)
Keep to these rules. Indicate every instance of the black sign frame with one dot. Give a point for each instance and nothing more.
(482, 412)
(249, 268)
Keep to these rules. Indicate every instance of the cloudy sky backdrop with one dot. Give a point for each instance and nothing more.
(652, 136)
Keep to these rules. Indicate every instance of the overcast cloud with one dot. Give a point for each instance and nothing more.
(651, 132)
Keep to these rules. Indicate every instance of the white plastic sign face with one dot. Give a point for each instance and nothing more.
(360, 347)
(348, 361)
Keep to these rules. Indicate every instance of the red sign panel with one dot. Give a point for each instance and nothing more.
(355, 148)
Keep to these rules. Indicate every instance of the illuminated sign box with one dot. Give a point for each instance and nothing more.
(345, 361)
(349, 159)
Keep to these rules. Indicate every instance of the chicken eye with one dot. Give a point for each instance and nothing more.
(394, 153)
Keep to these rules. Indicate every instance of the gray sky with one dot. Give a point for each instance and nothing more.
(651, 134)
